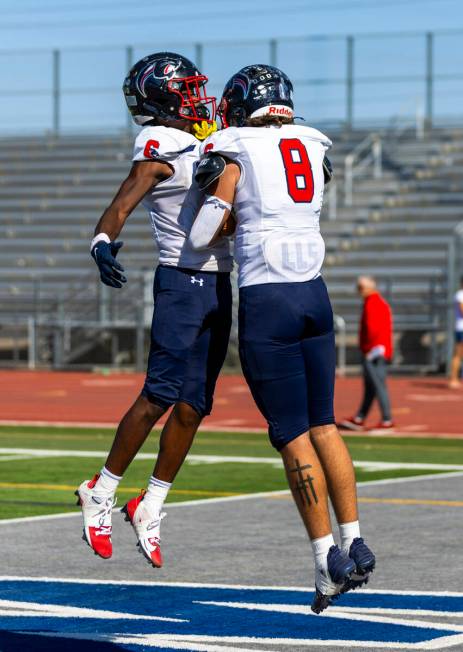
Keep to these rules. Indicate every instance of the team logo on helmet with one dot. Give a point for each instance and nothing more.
(242, 82)
(167, 73)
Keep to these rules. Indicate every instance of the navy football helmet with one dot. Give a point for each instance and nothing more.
(168, 86)
(256, 91)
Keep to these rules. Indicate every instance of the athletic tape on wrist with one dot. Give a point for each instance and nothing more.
(101, 237)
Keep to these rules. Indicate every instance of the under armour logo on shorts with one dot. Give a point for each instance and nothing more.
(198, 280)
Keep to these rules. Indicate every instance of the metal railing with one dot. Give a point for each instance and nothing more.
(367, 154)
(49, 341)
(341, 344)
(332, 200)
(358, 80)
(29, 333)
(409, 119)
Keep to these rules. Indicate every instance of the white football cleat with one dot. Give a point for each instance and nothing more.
(147, 528)
(96, 512)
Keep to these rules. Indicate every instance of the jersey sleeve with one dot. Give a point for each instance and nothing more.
(459, 296)
(159, 144)
(225, 142)
(318, 136)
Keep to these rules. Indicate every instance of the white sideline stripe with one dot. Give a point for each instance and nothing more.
(217, 426)
(157, 640)
(213, 426)
(226, 499)
(220, 459)
(359, 614)
(398, 612)
(210, 585)
(64, 611)
(199, 643)
(185, 503)
(206, 459)
(154, 641)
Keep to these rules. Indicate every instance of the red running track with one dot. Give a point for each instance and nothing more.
(421, 406)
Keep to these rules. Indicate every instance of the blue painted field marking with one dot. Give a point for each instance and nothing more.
(221, 614)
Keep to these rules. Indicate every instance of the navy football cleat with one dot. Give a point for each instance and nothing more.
(365, 562)
(328, 588)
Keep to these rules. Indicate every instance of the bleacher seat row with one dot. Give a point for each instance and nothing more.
(53, 191)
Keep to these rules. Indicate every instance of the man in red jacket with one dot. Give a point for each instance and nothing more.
(375, 339)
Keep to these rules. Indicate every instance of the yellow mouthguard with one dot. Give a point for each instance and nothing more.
(205, 129)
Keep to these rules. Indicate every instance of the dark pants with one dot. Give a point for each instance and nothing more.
(288, 355)
(374, 380)
(189, 337)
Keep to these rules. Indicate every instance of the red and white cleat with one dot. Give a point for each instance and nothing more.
(352, 423)
(147, 528)
(96, 512)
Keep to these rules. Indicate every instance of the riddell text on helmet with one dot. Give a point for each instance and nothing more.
(280, 110)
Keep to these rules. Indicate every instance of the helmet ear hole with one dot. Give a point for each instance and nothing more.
(237, 117)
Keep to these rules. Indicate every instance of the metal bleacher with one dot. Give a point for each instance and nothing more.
(52, 192)
(400, 229)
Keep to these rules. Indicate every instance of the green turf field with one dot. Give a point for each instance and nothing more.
(33, 485)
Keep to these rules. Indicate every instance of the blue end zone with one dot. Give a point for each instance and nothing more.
(262, 616)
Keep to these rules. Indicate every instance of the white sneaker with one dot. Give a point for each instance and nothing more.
(96, 512)
(147, 528)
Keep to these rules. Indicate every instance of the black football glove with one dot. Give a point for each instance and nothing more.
(104, 254)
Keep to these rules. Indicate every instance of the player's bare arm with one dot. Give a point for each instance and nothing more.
(216, 209)
(143, 176)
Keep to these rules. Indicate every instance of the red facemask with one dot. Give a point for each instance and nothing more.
(195, 104)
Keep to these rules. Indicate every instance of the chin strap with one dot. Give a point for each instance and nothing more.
(205, 129)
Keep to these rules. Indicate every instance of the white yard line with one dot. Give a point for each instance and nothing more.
(217, 426)
(202, 459)
(355, 614)
(221, 459)
(13, 458)
(211, 585)
(63, 611)
(109, 425)
(204, 643)
(226, 499)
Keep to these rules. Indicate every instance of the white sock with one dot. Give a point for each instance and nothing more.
(348, 532)
(156, 494)
(107, 483)
(320, 549)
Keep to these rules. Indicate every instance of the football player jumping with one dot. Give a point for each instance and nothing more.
(272, 173)
(166, 95)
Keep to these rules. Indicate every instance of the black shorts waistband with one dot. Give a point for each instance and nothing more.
(186, 270)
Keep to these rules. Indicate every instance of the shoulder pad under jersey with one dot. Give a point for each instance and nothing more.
(209, 169)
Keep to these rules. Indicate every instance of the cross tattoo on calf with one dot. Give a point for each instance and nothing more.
(304, 486)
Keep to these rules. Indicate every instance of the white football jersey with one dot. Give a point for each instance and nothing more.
(174, 203)
(277, 202)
